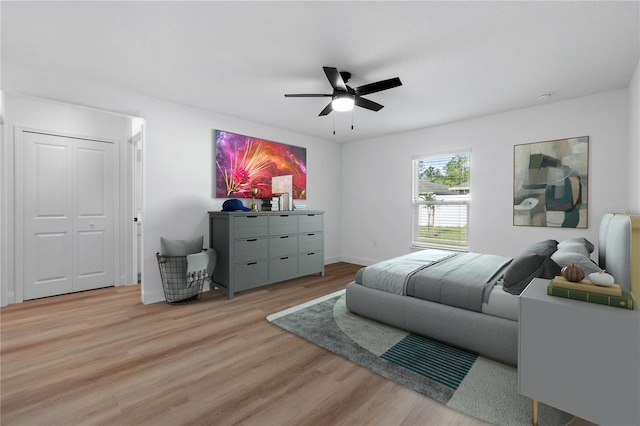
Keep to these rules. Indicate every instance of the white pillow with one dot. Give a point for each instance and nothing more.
(583, 241)
(573, 247)
(567, 258)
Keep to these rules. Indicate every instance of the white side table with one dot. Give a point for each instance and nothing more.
(579, 357)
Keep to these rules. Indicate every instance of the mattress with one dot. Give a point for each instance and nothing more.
(501, 304)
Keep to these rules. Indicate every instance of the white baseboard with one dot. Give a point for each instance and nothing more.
(150, 297)
(330, 260)
(358, 260)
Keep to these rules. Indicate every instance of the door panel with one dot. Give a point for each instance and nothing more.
(69, 215)
(48, 249)
(93, 208)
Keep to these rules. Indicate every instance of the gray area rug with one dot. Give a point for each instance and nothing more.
(464, 381)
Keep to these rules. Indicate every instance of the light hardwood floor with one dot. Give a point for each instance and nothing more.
(102, 357)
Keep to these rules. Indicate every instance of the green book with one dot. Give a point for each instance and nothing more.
(624, 301)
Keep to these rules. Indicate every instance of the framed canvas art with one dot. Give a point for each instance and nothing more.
(243, 163)
(550, 181)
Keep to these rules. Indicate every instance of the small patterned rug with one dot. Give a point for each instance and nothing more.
(464, 381)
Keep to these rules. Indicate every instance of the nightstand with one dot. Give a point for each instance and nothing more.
(579, 357)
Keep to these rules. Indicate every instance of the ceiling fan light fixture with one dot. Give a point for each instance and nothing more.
(343, 102)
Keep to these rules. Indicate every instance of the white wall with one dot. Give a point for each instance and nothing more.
(377, 175)
(634, 142)
(178, 156)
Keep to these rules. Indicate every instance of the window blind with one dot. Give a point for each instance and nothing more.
(441, 201)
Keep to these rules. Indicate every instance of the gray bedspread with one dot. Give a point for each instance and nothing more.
(463, 280)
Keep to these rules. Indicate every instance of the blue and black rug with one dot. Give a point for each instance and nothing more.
(461, 380)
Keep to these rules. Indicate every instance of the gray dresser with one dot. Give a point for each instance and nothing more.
(259, 248)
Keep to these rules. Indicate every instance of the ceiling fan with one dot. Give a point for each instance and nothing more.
(344, 97)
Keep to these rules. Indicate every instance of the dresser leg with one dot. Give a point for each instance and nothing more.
(534, 412)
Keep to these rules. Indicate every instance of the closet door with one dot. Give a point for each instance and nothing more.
(68, 214)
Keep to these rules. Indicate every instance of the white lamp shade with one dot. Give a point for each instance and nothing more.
(342, 102)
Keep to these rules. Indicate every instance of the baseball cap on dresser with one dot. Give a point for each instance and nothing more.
(233, 205)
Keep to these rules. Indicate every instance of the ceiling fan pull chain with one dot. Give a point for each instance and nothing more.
(334, 124)
(351, 119)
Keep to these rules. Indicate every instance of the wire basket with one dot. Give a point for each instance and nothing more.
(177, 289)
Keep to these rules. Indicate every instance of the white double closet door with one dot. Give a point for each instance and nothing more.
(68, 194)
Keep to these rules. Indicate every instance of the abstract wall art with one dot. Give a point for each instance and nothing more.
(550, 181)
(243, 162)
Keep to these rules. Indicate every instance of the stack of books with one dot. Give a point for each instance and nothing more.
(586, 291)
(275, 204)
(266, 204)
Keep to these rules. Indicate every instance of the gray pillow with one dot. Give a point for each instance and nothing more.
(534, 262)
(180, 247)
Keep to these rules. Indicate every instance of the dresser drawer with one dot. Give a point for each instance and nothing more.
(310, 222)
(310, 263)
(249, 249)
(249, 226)
(283, 245)
(283, 224)
(311, 241)
(250, 275)
(283, 268)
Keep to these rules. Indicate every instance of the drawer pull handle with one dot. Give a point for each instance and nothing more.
(284, 258)
(252, 240)
(284, 215)
(310, 235)
(311, 215)
(252, 263)
(285, 236)
(252, 217)
(310, 254)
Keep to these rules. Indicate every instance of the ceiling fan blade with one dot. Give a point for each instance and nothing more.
(366, 103)
(326, 110)
(335, 79)
(305, 95)
(378, 86)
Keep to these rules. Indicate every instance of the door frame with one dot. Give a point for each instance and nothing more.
(123, 238)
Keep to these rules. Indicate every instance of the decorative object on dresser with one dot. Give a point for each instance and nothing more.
(260, 248)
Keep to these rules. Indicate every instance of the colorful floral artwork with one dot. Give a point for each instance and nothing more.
(243, 162)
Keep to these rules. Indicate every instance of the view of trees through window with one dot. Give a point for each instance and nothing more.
(441, 201)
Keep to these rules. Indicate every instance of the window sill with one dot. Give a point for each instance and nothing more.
(438, 247)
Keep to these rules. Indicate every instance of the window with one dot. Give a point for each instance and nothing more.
(441, 201)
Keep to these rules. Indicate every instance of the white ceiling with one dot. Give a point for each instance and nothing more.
(456, 60)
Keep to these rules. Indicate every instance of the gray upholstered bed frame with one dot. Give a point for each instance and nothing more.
(485, 334)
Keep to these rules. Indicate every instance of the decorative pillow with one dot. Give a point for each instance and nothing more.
(180, 247)
(534, 262)
(567, 258)
(582, 241)
(574, 248)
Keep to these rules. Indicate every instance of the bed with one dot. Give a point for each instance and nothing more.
(470, 300)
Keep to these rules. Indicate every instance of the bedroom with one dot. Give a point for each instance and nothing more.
(346, 190)
(362, 183)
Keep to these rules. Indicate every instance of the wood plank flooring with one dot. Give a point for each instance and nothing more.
(102, 357)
